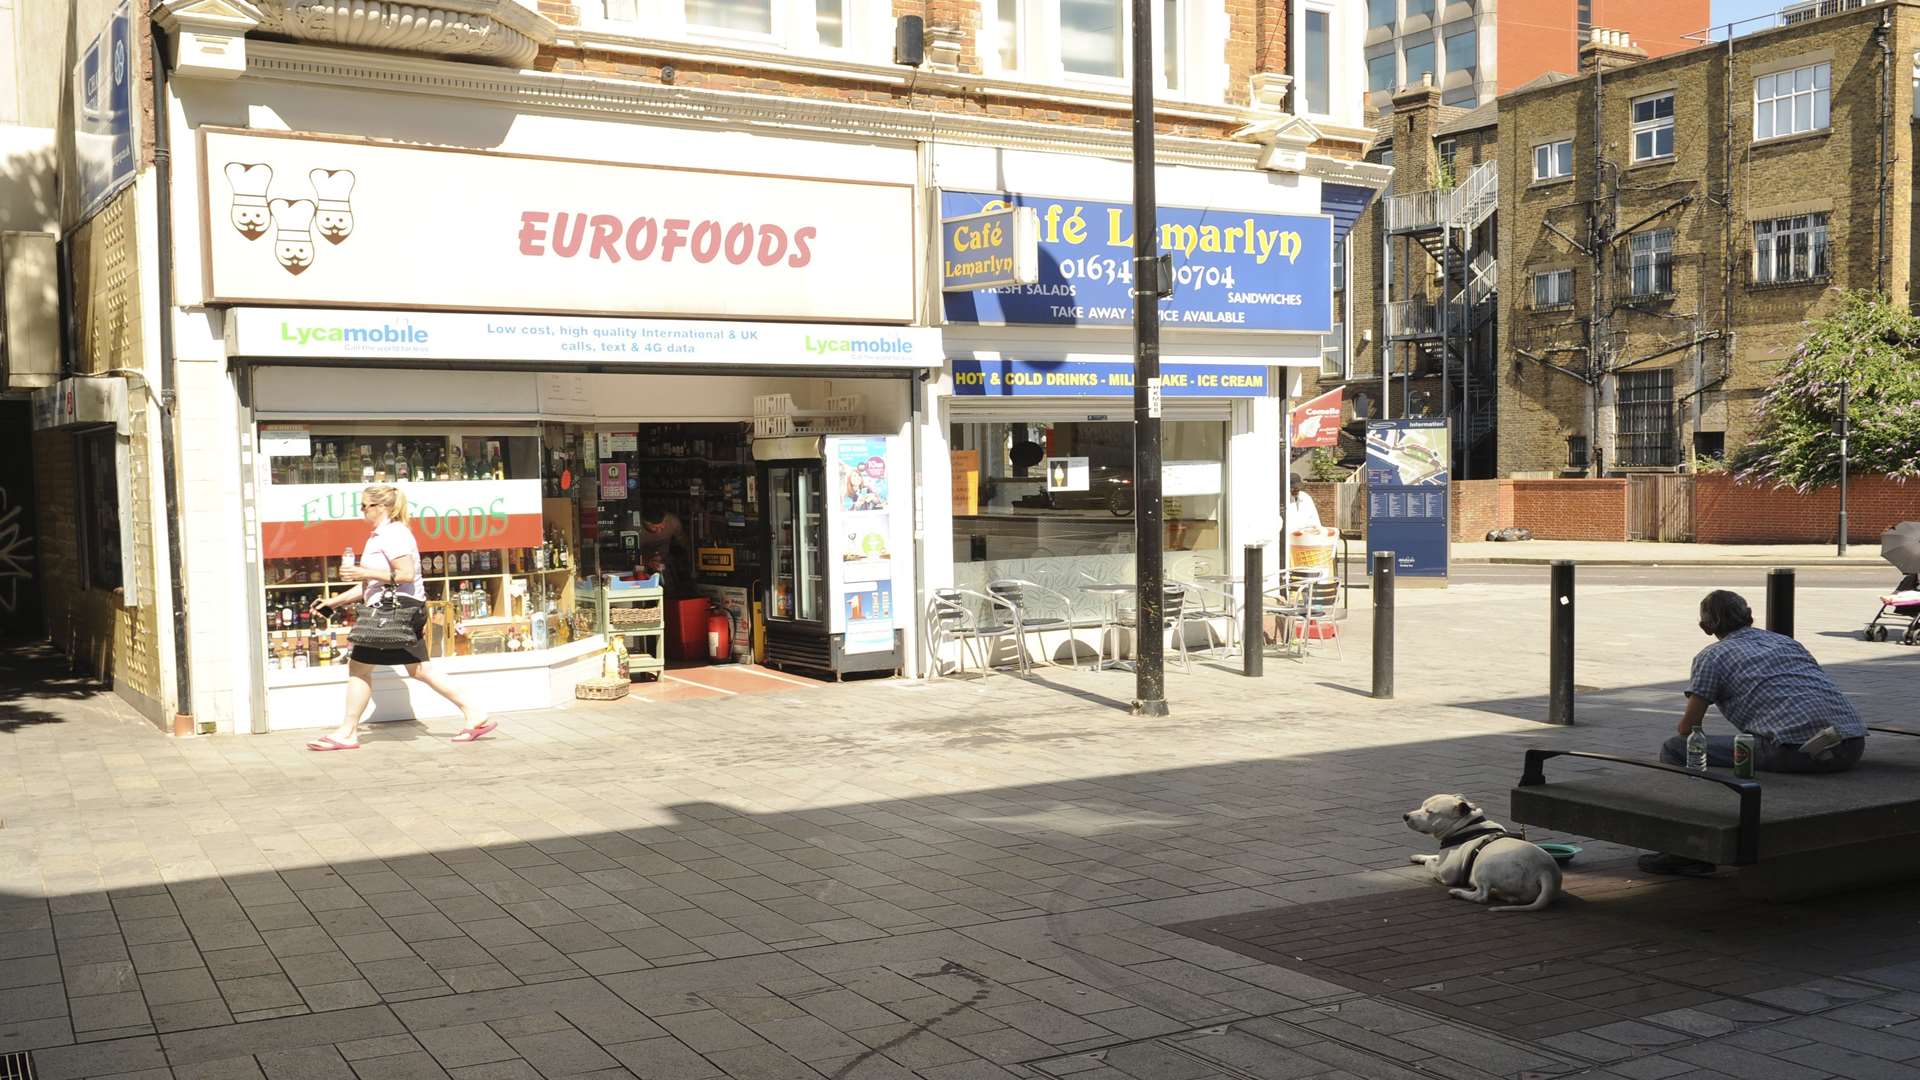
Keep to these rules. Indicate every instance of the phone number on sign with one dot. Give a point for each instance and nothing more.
(1099, 268)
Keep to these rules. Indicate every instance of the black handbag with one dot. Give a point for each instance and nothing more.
(391, 622)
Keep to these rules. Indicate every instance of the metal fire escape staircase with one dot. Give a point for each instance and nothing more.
(1443, 336)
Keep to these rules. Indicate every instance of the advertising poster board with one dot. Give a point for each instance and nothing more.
(859, 540)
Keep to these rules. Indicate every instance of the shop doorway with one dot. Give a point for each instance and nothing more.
(21, 613)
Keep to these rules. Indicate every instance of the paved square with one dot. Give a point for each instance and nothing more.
(982, 878)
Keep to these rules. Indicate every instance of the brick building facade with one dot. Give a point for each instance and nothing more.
(1650, 290)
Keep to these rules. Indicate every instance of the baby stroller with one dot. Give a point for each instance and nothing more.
(1900, 546)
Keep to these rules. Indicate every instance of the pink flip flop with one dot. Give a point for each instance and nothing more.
(476, 732)
(328, 742)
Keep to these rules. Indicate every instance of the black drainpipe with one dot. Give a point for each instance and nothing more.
(1884, 275)
(169, 456)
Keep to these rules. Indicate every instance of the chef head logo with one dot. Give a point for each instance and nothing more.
(249, 184)
(333, 191)
(292, 233)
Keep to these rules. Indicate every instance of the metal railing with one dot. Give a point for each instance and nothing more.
(1464, 205)
(1421, 318)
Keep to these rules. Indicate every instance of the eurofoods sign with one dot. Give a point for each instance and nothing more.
(341, 222)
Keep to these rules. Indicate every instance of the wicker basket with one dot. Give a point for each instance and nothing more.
(628, 616)
(602, 689)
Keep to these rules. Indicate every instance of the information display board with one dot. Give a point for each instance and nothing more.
(1408, 484)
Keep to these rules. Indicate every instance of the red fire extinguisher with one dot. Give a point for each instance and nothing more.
(719, 635)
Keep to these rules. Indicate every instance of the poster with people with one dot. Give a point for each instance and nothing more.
(860, 521)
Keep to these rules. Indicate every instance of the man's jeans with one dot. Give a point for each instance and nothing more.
(1769, 756)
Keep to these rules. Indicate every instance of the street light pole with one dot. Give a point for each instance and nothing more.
(1841, 427)
(1150, 681)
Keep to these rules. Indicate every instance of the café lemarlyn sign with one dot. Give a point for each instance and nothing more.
(1233, 269)
(990, 249)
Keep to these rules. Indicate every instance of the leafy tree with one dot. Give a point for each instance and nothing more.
(1871, 344)
(1323, 466)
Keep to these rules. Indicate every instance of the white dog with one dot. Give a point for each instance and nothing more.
(1483, 857)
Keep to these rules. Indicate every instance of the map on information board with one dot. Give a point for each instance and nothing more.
(1406, 456)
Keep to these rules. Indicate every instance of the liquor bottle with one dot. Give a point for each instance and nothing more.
(499, 471)
(457, 464)
(388, 468)
(466, 562)
(540, 555)
(538, 637)
(366, 464)
(513, 639)
(402, 468)
(416, 465)
(323, 648)
(286, 612)
(440, 465)
(300, 657)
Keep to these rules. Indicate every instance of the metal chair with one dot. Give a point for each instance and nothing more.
(1172, 621)
(1199, 610)
(1315, 607)
(1285, 600)
(952, 617)
(1020, 593)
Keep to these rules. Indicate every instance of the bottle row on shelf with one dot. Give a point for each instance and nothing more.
(552, 554)
(416, 459)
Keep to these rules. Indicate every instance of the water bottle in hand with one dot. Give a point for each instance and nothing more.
(1697, 749)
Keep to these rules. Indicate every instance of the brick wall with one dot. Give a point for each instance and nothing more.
(1479, 507)
(1728, 512)
(1571, 509)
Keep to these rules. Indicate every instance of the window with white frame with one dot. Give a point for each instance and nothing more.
(1380, 72)
(737, 16)
(1553, 160)
(1004, 31)
(1552, 288)
(830, 23)
(1651, 267)
(1790, 102)
(1093, 37)
(1449, 152)
(1653, 127)
(1316, 49)
(1789, 249)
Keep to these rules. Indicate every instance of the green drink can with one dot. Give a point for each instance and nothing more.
(1743, 756)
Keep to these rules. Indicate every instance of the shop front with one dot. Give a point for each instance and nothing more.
(574, 370)
(1037, 394)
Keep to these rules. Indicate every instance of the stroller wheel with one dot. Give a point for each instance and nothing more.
(1876, 633)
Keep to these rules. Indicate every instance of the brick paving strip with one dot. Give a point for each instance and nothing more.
(970, 880)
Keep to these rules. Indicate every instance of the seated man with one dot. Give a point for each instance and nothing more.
(1768, 686)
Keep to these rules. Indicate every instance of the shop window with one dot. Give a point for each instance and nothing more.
(1790, 102)
(1052, 502)
(1653, 127)
(1645, 418)
(98, 454)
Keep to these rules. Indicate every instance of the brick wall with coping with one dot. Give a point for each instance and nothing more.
(1726, 511)
(1550, 509)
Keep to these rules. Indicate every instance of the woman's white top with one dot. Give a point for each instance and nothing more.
(388, 543)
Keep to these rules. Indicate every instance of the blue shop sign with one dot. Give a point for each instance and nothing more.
(103, 113)
(1101, 378)
(1233, 270)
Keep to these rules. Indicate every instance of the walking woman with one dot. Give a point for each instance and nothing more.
(391, 560)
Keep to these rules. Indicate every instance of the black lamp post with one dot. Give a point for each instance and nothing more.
(1840, 429)
(1150, 681)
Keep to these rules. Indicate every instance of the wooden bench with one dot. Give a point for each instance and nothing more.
(1790, 835)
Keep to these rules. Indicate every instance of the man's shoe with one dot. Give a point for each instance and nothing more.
(1823, 741)
(1675, 864)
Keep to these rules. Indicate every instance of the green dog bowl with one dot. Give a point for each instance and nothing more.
(1562, 853)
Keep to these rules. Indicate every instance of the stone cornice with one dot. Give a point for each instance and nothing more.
(490, 31)
(699, 107)
(688, 52)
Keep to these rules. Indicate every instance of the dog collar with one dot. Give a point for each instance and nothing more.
(1478, 832)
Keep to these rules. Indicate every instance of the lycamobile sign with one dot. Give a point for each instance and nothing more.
(405, 334)
(858, 346)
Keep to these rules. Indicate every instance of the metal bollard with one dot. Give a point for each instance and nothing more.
(1780, 600)
(1383, 624)
(1560, 644)
(1253, 631)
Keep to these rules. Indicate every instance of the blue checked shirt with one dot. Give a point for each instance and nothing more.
(1768, 684)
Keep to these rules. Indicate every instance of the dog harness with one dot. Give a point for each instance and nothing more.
(1481, 836)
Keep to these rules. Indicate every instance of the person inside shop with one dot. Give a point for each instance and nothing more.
(1301, 511)
(664, 547)
(390, 560)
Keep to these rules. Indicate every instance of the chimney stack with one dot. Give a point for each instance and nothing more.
(1605, 50)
